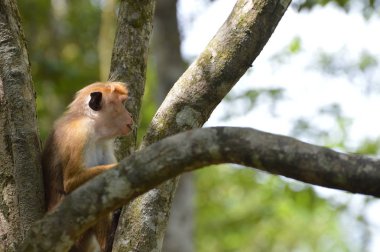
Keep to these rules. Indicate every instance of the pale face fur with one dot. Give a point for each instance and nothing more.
(112, 119)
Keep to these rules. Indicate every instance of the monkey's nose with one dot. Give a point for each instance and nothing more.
(130, 124)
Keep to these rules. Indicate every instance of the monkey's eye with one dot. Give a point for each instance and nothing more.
(95, 101)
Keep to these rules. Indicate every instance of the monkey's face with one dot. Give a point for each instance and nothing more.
(111, 117)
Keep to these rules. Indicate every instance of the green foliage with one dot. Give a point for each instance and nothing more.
(303, 127)
(367, 7)
(369, 147)
(244, 210)
(295, 45)
(62, 44)
(358, 69)
(292, 49)
(334, 136)
(309, 4)
(248, 99)
(367, 61)
(149, 105)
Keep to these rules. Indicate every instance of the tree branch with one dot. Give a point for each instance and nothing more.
(191, 150)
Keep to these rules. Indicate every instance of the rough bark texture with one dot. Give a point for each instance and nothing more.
(192, 99)
(194, 149)
(170, 65)
(129, 57)
(21, 200)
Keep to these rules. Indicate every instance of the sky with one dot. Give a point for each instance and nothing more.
(307, 90)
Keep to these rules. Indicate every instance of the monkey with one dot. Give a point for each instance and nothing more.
(81, 146)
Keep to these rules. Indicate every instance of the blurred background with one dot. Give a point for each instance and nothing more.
(317, 79)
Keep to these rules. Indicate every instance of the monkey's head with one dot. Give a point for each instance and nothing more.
(105, 107)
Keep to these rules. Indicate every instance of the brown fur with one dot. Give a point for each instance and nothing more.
(80, 147)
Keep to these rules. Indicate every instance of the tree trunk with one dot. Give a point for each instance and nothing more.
(166, 47)
(169, 64)
(21, 201)
(180, 229)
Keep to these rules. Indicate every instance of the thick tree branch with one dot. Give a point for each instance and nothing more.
(193, 98)
(194, 149)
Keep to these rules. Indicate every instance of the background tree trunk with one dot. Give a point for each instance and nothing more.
(166, 45)
(169, 65)
(21, 201)
(179, 232)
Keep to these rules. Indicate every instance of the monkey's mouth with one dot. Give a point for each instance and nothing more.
(130, 127)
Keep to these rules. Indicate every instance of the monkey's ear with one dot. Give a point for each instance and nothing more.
(95, 101)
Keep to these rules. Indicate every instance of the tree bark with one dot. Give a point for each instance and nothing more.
(191, 150)
(129, 58)
(21, 201)
(192, 99)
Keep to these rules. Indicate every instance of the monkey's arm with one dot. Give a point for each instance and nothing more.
(85, 174)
